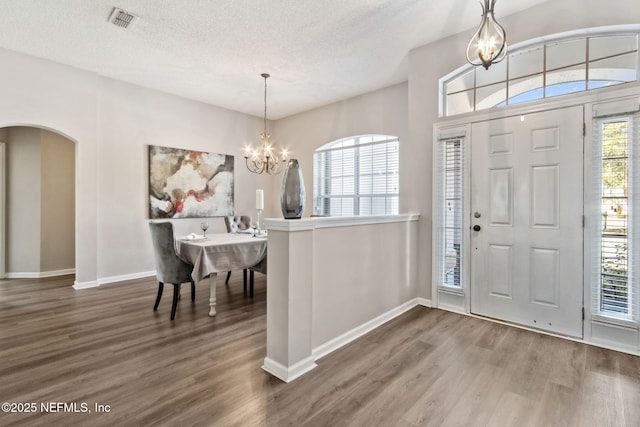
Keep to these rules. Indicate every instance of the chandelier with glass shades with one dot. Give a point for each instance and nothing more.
(489, 44)
(264, 158)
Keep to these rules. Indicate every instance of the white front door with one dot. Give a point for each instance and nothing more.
(526, 219)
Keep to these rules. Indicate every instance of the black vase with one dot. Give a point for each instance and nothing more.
(292, 193)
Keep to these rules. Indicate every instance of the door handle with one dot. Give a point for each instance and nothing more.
(476, 227)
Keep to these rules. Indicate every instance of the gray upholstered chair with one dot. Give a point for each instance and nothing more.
(260, 267)
(237, 224)
(169, 268)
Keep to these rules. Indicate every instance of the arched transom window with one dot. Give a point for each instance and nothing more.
(557, 66)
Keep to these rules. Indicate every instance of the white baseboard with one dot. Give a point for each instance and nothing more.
(344, 339)
(124, 277)
(288, 374)
(112, 279)
(40, 274)
(76, 284)
(85, 285)
(452, 308)
(424, 302)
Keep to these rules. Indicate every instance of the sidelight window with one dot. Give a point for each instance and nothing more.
(616, 145)
(451, 204)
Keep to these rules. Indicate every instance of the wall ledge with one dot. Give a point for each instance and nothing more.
(312, 223)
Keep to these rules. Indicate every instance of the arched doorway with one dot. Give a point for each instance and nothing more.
(39, 203)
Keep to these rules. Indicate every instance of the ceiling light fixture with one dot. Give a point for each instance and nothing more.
(489, 44)
(265, 159)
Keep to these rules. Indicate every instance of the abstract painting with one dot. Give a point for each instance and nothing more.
(189, 184)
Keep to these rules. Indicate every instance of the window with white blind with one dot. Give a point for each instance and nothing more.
(450, 201)
(615, 268)
(357, 176)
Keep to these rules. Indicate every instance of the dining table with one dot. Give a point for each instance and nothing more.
(220, 252)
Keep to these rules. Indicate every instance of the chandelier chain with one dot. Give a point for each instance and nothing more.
(264, 158)
(266, 76)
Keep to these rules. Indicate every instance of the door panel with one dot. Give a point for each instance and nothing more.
(526, 184)
(500, 265)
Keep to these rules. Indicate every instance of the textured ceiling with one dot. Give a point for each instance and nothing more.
(317, 51)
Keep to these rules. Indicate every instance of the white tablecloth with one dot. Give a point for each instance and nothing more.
(221, 252)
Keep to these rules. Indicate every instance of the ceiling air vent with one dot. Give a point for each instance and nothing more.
(121, 18)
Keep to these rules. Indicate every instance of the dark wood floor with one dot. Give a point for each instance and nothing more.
(426, 367)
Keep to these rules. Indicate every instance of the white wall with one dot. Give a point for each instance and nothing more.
(429, 63)
(360, 278)
(44, 94)
(57, 232)
(382, 112)
(24, 195)
(112, 123)
(41, 200)
(131, 118)
(331, 281)
(3, 214)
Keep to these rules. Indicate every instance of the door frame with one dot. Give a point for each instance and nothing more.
(458, 300)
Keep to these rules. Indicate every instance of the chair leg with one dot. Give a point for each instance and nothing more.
(176, 295)
(251, 284)
(226, 282)
(193, 291)
(244, 276)
(160, 288)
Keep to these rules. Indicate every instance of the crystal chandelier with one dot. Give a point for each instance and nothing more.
(264, 159)
(489, 44)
